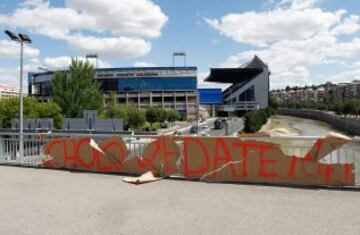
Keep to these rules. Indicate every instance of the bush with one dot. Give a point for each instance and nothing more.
(270, 111)
(156, 126)
(146, 126)
(253, 120)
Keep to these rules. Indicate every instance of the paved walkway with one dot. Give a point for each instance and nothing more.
(38, 201)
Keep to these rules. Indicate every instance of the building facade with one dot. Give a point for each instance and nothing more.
(210, 99)
(323, 93)
(168, 87)
(249, 89)
(8, 92)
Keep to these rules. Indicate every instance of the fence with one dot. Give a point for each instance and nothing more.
(291, 146)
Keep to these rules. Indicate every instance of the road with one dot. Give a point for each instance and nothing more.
(234, 125)
(39, 201)
(207, 128)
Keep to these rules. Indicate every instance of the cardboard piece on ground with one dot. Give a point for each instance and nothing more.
(147, 177)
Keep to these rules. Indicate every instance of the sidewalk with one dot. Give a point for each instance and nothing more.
(39, 201)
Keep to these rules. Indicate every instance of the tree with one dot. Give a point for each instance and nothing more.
(273, 103)
(173, 116)
(9, 109)
(136, 118)
(162, 115)
(50, 110)
(151, 115)
(156, 114)
(76, 90)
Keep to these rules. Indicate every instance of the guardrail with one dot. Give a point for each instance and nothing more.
(238, 106)
(292, 146)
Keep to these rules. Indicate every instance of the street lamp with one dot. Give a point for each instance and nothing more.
(20, 38)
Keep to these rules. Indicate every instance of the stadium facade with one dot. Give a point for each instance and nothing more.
(249, 87)
(168, 87)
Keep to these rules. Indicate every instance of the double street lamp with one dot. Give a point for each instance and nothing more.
(22, 39)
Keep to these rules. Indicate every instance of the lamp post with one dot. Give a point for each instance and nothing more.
(20, 38)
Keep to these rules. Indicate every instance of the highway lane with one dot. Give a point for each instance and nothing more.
(207, 128)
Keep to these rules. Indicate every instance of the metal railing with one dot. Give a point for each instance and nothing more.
(241, 105)
(291, 146)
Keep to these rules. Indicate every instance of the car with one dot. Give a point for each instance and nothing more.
(204, 126)
(219, 123)
(194, 129)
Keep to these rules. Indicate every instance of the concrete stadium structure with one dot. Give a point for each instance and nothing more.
(249, 89)
(168, 87)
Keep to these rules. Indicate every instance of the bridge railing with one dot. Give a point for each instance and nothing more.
(292, 146)
(238, 106)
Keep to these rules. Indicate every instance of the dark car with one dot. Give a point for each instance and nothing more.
(194, 129)
(219, 123)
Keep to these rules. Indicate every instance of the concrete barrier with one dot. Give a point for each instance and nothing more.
(346, 124)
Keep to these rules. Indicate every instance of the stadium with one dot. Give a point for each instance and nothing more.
(168, 87)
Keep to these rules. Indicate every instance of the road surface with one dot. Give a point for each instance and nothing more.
(207, 128)
(39, 201)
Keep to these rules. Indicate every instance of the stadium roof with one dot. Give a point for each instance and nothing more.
(237, 75)
(232, 75)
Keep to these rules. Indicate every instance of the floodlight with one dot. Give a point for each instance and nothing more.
(12, 36)
(25, 38)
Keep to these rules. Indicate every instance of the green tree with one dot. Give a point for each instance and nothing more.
(173, 116)
(50, 110)
(9, 109)
(273, 103)
(112, 107)
(136, 118)
(162, 115)
(151, 115)
(76, 90)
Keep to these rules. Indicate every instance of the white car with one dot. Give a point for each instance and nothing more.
(204, 126)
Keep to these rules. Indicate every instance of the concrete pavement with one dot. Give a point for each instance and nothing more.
(39, 201)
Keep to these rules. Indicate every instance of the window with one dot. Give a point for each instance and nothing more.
(108, 84)
(248, 95)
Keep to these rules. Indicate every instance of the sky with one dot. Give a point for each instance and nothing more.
(304, 42)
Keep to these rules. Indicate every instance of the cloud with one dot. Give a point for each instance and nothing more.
(264, 28)
(143, 64)
(292, 37)
(129, 17)
(9, 49)
(116, 27)
(10, 75)
(349, 75)
(122, 47)
(348, 26)
(292, 4)
(63, 62)
(289, 60)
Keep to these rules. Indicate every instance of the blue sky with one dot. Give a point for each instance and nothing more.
(302, 41)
